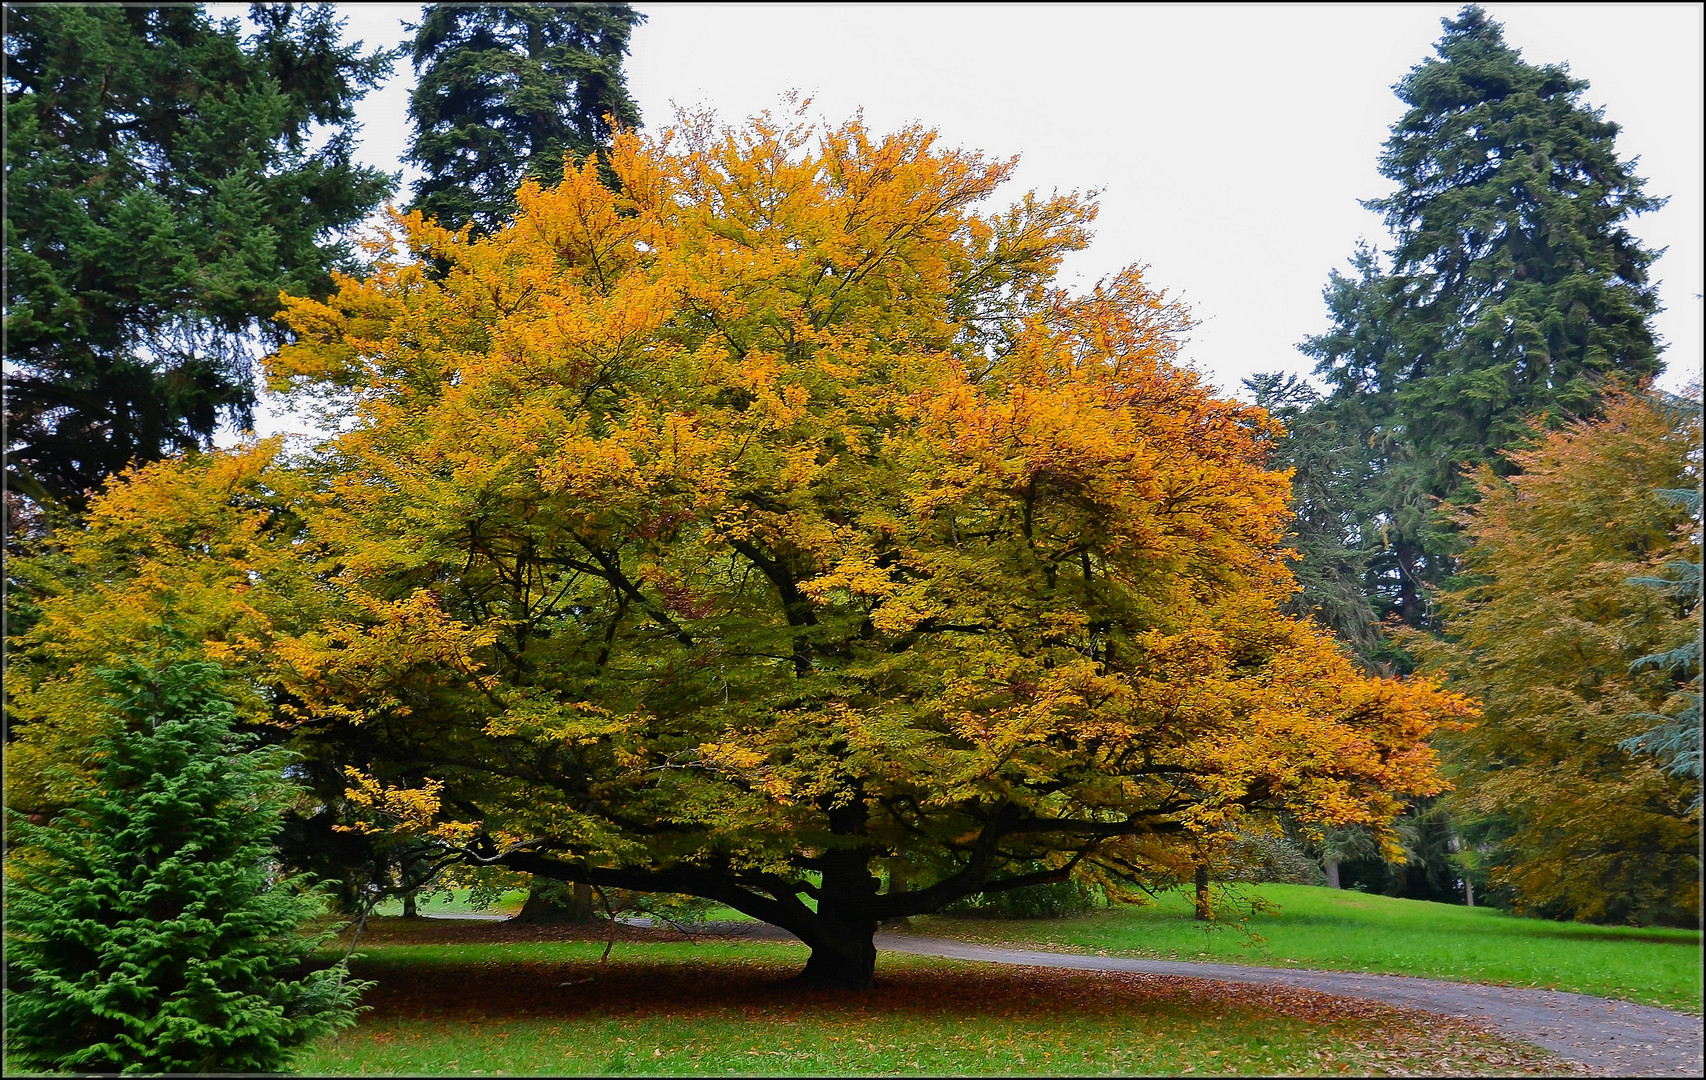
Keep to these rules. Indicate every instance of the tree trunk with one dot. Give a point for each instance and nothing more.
(1468, 891)
(556, 902)
(410, 911)
(1409, 595)
(1332, 868)
(844, 952)
(1205, 910)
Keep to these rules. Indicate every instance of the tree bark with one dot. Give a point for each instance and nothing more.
(1205, 910)
(844, 951)
(1332, 868)
(410, 910)
(546, 903)
(1409, 595)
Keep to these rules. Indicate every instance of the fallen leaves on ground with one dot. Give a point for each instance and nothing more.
(1359, 1037)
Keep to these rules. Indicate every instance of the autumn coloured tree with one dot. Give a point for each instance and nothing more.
(1548, 630)
(758, 528)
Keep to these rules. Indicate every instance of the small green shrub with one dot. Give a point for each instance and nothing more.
(147, 931)
(1259, 858)
(1058, 900)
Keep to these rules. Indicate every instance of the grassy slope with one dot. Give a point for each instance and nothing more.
(457, 903)
(1351, 931)
(721, 1008)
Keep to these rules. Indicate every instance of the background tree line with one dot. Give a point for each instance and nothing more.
(168, 176)
(1510, 308)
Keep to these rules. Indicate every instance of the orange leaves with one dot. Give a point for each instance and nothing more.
(183, 558)
(1179, 488)
(356, 670)
(1545, 632)
(783, 484)
(648, 455)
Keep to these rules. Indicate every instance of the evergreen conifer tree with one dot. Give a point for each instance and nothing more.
(505, 91)
(162, 187)
(1676, 738)
(1330, 470)
(147, 931)
(1515, 289)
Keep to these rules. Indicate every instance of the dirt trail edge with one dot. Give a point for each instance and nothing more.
(1612, 1037)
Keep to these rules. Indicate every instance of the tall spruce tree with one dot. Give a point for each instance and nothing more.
(164, 182)
(505, 92)
(1387, 501)
(1515, 289)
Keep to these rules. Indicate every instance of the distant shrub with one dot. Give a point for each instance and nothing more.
(1059, 900)
(1258, 858)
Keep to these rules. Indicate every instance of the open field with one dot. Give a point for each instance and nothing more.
(489, 998)
(1352, 931)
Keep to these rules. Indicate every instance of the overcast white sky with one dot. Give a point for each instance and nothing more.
(1230, 143)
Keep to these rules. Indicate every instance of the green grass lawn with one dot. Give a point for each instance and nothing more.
(1352, 931)
(719, 1008)
(455, 901)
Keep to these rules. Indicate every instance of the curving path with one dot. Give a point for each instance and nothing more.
(1612, 1037)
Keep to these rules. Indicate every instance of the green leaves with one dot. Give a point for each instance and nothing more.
(147, 931)
(160, 194)
(506, 92)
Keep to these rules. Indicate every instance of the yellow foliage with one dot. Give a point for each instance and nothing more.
(778, 504)
(1544, 632)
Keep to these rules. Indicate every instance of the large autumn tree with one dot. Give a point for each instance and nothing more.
(166, 177)
(1549, 627)
(765, 527)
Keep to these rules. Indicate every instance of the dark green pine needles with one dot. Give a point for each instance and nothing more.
(505, 92)
(167, 176)
(1515, 291)
(1519, 289)
(148, 928)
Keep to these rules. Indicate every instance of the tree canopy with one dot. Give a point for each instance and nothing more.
(1547, 628)
(1330, 475)
(505, 91)
(1514, 291)
(762, 526)
(166, 179)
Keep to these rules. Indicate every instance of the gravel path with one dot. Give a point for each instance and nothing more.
(1614, 1038)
